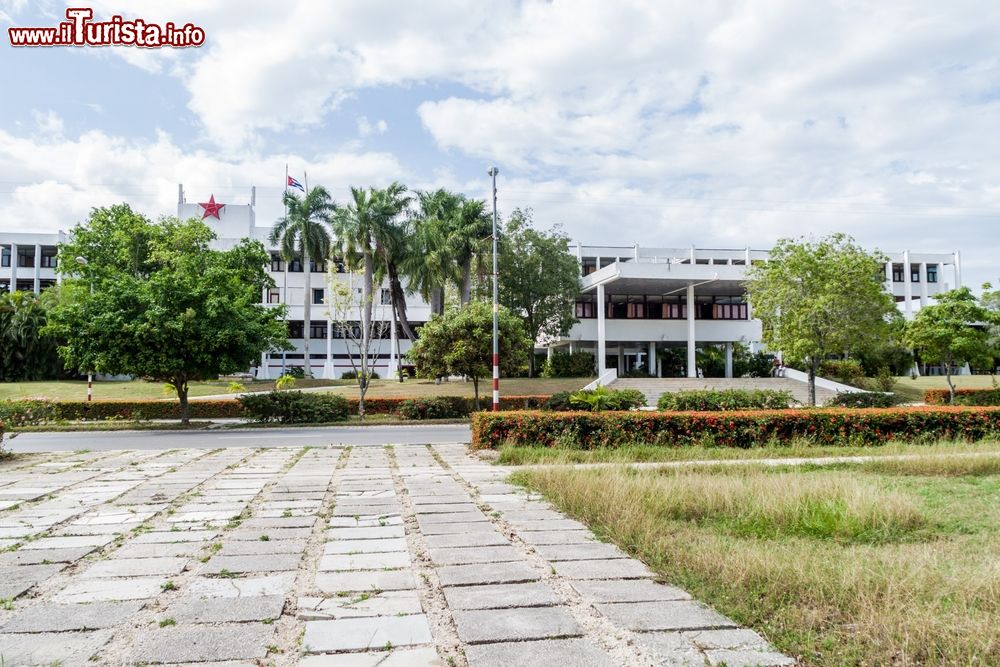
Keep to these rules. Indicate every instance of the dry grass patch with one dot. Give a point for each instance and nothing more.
(837, 567)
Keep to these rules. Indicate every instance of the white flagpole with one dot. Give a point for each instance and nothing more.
(284, 285)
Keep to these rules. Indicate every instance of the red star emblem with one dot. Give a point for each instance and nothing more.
(211, 208)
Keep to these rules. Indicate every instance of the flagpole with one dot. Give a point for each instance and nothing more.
(284, 284)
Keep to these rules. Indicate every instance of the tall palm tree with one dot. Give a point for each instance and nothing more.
(469, 236)
(392, 245)
(303, 231)
(429, 264)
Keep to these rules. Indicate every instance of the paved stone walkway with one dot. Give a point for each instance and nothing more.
(392, 556)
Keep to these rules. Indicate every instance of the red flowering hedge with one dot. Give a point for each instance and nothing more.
(390, 406)
(587, 430)
(963, 396)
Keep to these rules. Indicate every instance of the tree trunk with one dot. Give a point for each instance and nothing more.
(475, 389)
(951, 386)
(466, 295)
(181, 386)
(437, 301)
(306, 314)
(366, 328)
(399, 301)
(531, 362)
(812, 381)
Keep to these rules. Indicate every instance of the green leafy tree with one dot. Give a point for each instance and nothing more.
(155, 301)
(303, 231)
(25, 354)
(817, 298)
(460, 342)
(953, 331)
(539, 278)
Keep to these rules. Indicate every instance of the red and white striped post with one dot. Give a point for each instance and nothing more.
(496, 300)
(90, 387)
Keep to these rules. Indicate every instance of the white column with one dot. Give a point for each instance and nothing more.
(598, 263)
(907, 287)
(958, 269)
(923, 285)
(692, 370)
(600, 328)
(729, 360)
(549, 351)
(13, 267)
(38, 269)
(888, 277)
(329, 368)
(393, 361)
(263, 373)
(651, 359)
(621, 359)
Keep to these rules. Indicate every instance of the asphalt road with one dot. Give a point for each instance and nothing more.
(248, 437)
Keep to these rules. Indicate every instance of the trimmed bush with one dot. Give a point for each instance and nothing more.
(863, 399)
(963, 396)
(845, 371)
(353, 375)
(602, 398)
(438, 407)
(701, 400)
(558, 401)
(825, 426)
(294, 407)
(565, 365)
(28, 412)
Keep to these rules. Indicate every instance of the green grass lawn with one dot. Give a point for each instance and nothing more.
(412, 388)
(76, 390)
(913, 390)
(880, 563)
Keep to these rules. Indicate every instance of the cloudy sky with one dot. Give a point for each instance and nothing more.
(668, 123)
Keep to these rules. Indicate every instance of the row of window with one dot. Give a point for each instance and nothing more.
(319, 294)
(278, 265)
(649, 307)
(897, 273)
(26, 257)
(350, 330)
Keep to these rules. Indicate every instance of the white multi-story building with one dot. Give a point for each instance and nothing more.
(635, 301)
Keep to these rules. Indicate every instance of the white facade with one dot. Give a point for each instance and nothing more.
(644, 295)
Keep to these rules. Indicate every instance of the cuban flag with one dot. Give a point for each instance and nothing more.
(292, 183)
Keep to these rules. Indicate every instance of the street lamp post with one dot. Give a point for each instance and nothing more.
(82, 261)
(496, 299)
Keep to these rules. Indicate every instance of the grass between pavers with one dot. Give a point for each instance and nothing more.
(76, 390)
(876, 563)
(794, 448)
(912, 390)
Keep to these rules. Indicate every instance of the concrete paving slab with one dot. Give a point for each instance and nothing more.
(365, 533)
(500, 596)
(509, 625)
(462, 556)
(349, 634)
(588, 551)
(385, 603)
(134, 567)
(169, 536)
(602, 569)
(365, 546)
(18, 580)
(556, 536)
(262, 547)
(225, 610)
(497, 573)
(544, 653)
(186, 550)
(372, 561)
(483, 539)
(69, 649)
(463, 528)
(331, 583)
(38, 557)
(272, 533)
(663, 615)
(201, 643)
(49, 617)
(243, 564)
(629, 590)
(403, 657)
(271, 584)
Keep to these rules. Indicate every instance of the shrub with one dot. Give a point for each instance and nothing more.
(758, 365)
(962, 397)
(353, 375)
(726, 399)
(602, 398)
(845, 371)
(566, 365)
(28, 412)
(863, 399)
(437, 407)
(297, 372)
(294, 407)
(825, 426)
(884, 380)
(558, 401)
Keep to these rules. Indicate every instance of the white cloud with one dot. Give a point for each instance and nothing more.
(366, 127)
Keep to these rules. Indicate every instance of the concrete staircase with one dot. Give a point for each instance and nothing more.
(653, 387)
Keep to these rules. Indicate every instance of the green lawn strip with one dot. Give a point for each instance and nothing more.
(835, 566)
(912, 390)
(76, 390)
(511, 455)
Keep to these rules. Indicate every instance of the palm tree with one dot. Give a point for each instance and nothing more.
(429, 264)
(303, 231)
(469, 236)
(391, 236)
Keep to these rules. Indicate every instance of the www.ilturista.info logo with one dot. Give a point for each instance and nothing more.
(80, 30)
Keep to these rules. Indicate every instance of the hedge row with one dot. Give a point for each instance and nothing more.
(713, 400)
(587, 430)
(32, 411)
(963, 396)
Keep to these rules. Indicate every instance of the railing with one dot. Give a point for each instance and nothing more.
(603, 380)
(822, 383)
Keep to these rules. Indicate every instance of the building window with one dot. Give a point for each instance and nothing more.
(586, 308)
(26, 258)
(897, 273)
(318, 295)
(295, 266)
(636, 308)
(274, 295)
(277, 264)
(317, 268)
(5, 256)
(26, 285)
(295, 328)
(386, 297)
(317, 329)
(914, 273)
(932, 273)
(48, 258)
